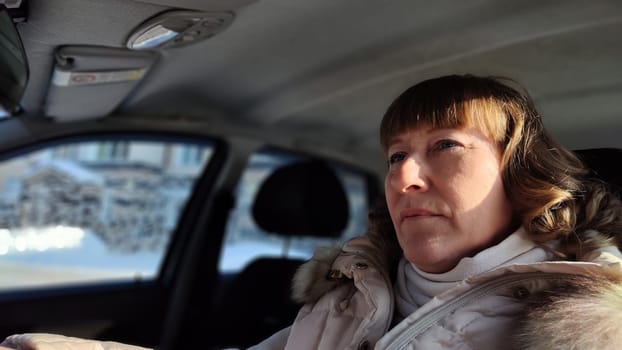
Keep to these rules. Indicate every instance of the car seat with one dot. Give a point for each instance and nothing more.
(304, 199)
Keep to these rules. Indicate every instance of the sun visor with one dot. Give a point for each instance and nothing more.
(91, 81)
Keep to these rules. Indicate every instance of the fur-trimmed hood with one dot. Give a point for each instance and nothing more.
(584, 312)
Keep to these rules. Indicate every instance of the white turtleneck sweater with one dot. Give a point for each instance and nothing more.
(414, 287)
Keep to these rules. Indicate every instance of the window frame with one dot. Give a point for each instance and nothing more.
(203, 184)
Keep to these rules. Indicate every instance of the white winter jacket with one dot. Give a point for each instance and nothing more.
(350, 305)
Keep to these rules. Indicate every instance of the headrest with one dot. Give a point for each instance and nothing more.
(302, 199)
(604, 164)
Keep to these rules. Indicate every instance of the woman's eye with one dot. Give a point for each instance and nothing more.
(396, 157)
(446, 144)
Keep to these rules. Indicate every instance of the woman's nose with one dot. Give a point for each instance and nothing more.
(411, 177)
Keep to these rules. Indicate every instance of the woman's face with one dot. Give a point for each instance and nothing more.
(445, 195)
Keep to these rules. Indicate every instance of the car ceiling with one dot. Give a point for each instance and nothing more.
(319, 74)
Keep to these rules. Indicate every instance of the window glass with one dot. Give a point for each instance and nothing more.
(92, 210)
(245, 241)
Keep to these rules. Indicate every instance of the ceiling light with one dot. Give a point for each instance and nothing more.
(178, 28)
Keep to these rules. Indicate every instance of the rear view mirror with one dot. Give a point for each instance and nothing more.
(13, 66)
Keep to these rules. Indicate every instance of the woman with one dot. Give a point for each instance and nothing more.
(494, 237)
(491, 237)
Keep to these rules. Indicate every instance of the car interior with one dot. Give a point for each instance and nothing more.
(166, 166)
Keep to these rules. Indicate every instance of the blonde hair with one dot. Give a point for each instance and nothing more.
(546, 183)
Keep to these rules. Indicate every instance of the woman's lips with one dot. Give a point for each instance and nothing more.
(416, 213)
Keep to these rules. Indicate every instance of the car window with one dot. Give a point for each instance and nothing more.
(245, 241)
(93, 210)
